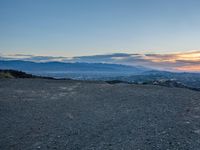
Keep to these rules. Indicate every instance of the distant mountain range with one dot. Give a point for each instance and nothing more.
(168, 62)
(60, 69)
(60, 66)
(102, 71)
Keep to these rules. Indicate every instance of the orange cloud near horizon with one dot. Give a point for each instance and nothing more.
(189, 68)
(187, 56)
(187, 61)
(182, 61)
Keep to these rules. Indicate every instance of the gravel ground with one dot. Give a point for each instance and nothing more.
(72, 115)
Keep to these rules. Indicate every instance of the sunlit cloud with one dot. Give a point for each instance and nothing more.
(186, 61)
(118, 58)
(187, 56)
(193, 68)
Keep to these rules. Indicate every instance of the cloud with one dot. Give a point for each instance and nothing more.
(33, 58)
(176, 57)
(191, 68)
(186, 61)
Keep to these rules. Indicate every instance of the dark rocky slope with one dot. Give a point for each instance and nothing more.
(18, 74)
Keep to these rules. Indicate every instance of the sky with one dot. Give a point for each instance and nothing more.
(72, 28)
(88, 27)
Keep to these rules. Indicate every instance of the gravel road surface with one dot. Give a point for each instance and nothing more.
(77, 115)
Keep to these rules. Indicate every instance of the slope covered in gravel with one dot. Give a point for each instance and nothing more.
(61, 114)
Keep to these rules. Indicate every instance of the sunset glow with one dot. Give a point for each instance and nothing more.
(186, 61)
(192, 56)
(188, 56)
(189, 68)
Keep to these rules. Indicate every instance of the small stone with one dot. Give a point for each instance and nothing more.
(187, 122)
(38, 147)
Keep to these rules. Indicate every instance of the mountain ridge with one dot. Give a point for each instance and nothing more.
(63, 66)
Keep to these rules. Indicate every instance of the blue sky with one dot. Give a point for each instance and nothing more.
(88, 27)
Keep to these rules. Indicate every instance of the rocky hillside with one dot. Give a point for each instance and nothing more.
(14, 74)
(18, 74)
